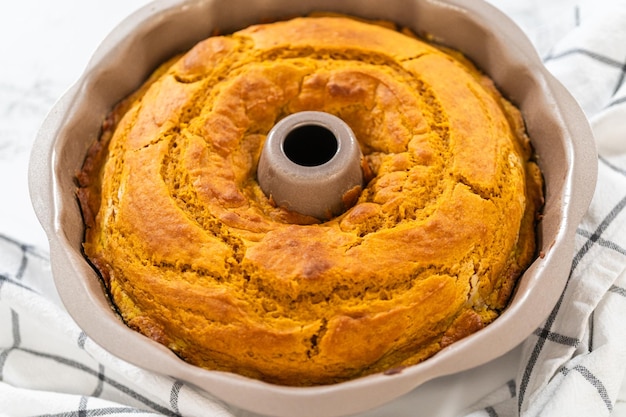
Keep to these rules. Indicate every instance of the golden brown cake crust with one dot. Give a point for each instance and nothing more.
(196, 257)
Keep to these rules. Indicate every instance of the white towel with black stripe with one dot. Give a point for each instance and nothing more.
(573, 365)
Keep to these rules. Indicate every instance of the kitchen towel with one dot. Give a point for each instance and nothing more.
(574, 364)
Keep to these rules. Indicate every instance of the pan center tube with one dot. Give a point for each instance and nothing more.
(311, 164)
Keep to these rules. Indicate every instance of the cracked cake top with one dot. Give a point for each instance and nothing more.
(195, 256)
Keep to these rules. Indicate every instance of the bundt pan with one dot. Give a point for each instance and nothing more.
(558, 129)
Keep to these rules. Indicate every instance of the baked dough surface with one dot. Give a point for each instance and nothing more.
(196, 257)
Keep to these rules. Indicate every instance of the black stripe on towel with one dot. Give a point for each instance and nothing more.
(594, 381)
(491, 412)
(593, 55)
(121, 387)
(603, 242)
(557, 338)
(621, 66)
(618, 290)
(174, 394)
(104, 411)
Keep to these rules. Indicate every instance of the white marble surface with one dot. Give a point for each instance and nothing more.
(44, 47)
